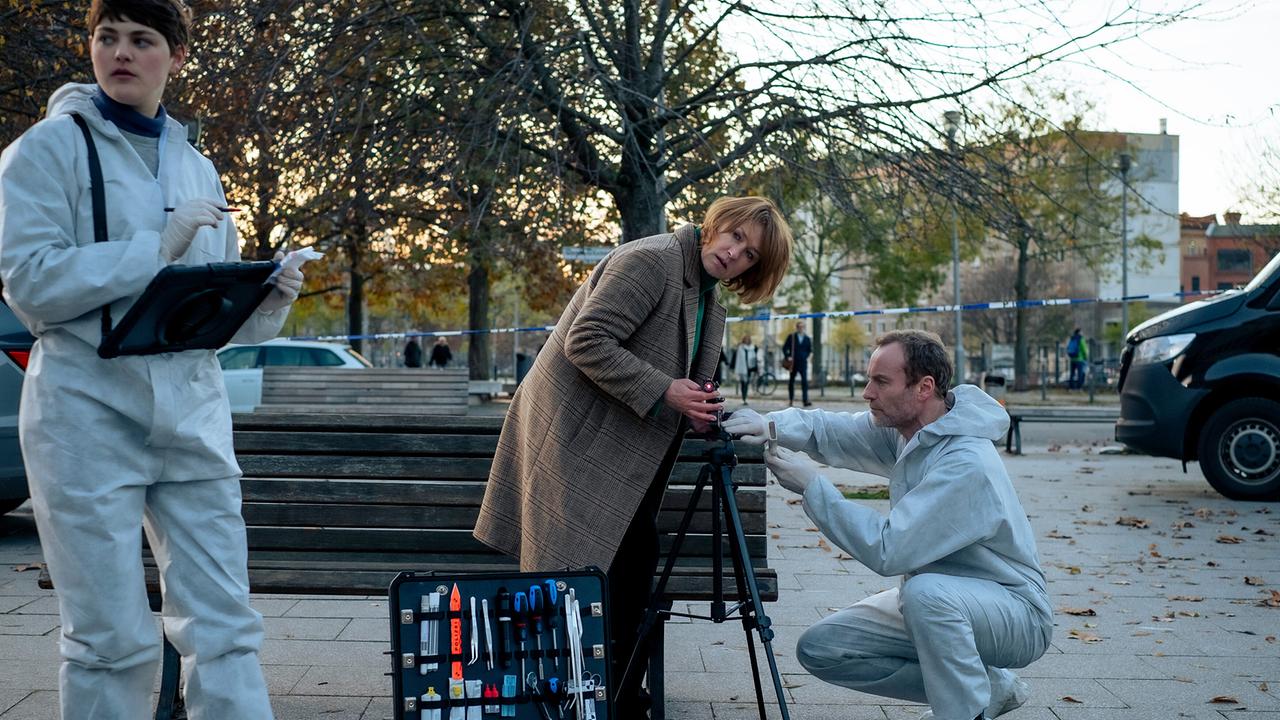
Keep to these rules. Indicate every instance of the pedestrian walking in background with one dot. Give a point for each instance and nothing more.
(745, 364)
(795, 358)
(1078, 354)
(441, 355)
(412, 354)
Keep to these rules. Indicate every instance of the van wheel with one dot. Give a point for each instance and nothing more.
(1240, 449)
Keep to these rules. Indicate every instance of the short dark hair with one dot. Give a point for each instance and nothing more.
(925, 356)
(170, 18)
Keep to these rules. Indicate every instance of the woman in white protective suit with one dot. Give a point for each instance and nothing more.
(138, 441)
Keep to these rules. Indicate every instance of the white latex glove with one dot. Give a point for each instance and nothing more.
(794, 470)
(182, 225)
(288, 285)
(748, 426)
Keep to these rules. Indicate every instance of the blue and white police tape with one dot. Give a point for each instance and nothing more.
(835, 314)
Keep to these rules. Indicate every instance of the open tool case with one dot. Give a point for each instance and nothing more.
(436, 638)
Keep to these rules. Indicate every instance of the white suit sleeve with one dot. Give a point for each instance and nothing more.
(260, 326)
(839, 439)
(47, 276)
(953, 507)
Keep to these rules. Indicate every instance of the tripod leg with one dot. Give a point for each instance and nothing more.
(746, 575)
(654, 614)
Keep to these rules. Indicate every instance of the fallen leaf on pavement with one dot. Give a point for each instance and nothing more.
(1253, 580)
(1270, 638)
(1141, 633)
(1068, 698)
(1229, 539)
(1261, 531)
(1186, 598)
(1273, 601)
(1184, 680)
(1225, 700)
(28, 566)
(1084, 636)
(794, 501)
(822, 543)
(1055, 534)
(1078, 611)
(1131, 521)
(1183, 524)
(1263, 686)
(1203, 513)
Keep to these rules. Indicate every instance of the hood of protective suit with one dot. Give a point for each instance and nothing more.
(72, 97)
(972, 412)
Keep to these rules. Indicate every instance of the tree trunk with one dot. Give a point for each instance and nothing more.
(641, 208)
(1021, 381)
(478, 317)
(355, 298)
(817, 370)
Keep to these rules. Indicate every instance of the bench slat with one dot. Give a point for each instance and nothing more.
(435, 493)
(441, 517)
(423, 539)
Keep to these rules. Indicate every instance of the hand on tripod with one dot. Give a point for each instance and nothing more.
(748, 426)
(694, 401)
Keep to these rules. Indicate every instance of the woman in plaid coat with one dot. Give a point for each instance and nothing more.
(593, 430)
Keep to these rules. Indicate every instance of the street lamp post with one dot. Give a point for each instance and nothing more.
(951, 123)
(1124, 245)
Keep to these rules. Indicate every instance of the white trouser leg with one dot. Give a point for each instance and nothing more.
(89, 535)
(961, 626)
(198, 536)
(865, 647)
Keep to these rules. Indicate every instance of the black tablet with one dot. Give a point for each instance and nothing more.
(190, 307)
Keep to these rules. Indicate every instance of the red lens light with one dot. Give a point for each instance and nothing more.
(19, 357)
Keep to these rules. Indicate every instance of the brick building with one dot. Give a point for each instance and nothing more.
(1220, 256)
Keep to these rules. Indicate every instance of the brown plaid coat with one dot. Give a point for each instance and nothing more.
(580, 445)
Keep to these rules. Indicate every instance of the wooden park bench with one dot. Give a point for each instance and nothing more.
(409, 391)
(339, 503)
(1017, 416)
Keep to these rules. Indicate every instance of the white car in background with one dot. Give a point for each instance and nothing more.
(242, 365)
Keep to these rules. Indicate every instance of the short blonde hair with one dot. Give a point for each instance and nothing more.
(762, 279)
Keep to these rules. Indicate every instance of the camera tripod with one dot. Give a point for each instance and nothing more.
(718, 475)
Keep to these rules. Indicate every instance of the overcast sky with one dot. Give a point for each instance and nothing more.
(1215, 81)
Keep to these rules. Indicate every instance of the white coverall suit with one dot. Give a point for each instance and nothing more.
(142, 441)
(972, 600)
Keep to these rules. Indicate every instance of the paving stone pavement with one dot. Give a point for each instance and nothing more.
(1181, 624)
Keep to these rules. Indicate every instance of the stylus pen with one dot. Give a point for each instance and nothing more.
(221, 208)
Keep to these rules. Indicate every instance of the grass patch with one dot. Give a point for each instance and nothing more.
(869, 492)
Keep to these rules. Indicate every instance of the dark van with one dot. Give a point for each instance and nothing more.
(1202, 382)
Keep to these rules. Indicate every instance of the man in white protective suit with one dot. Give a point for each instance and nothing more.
(137, 442)
(972, 600)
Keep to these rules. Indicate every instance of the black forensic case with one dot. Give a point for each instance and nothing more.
(410, 683)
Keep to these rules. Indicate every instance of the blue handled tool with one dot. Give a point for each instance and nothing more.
(552, 615)
(522, 628)
(536, 608)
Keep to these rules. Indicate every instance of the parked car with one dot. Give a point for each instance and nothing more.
(242, 365)
(15, 349)
(1202, 382)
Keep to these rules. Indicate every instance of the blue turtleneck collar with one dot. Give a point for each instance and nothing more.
(128, 119)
